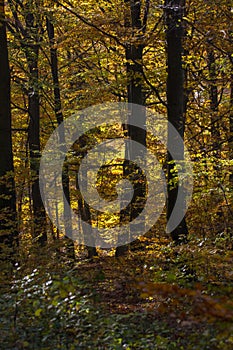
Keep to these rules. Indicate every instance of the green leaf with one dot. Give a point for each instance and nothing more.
(38, 312)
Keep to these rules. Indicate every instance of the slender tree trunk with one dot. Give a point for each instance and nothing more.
(231, 124)
(59, 117)
(8, 215)
(175, 102)
(85, 214)
(230, 36)
(32, 52)
(213, 95)
(134, 55)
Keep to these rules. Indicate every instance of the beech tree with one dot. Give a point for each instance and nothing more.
(135, 21)
(174, 11)
(59, 118)
(32, 46)
(26, 28)
(8, 215)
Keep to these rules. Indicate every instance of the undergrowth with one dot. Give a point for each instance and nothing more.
(157, 297)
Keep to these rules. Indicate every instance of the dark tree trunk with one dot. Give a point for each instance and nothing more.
(230, 36)
(59, 117)
(83, 207)
(8, 215)
(84, 212)
(231, 123)
(135, 95)
(213, 95)
(32, 52)
(175, 102)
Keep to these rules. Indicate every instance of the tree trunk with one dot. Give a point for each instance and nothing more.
(32, 52)
(231, 124)
(230, 36)
(175, 103)
(59, 117)
(135, 95)
(213, 96)
(8, 215)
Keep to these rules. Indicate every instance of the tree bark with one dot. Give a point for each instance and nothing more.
(231, 124)
(32, 46)
(135, 95)
(213, 96)
(175, 103)
(59, 117)
(230, 36)
(8, 214)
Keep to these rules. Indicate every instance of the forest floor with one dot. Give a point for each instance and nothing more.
(158, 296)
